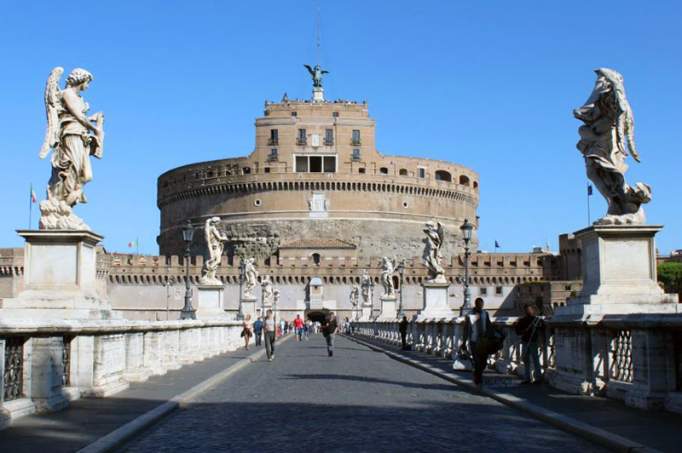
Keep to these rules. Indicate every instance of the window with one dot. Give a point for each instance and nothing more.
(361, 171)
(383, 170)
(356, 154)
(483, 291)
(403, 172)
(329, 164)
(464, 180)
(301, 164)
(442, 175)
(266, 169)
(274, 137)
(315, 164)
(294, 114)
(498, 290)
(335, 114)
(257, 202)
(316, 258)
(329, 137)
(356, 137)
(246, 170)
(301, 140)
(422, 172)
(273, 154)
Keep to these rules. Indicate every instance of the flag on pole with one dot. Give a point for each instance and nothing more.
(132, 244)
(497, 244)
(589, 190)
(34, 198)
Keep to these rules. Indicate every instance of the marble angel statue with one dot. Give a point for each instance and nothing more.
(354, 295)
(251, 278)
(215, 242)
(606, 139)
(73, 137)
(435, 235)
(268, 290)
(366, 284)
(387, 271)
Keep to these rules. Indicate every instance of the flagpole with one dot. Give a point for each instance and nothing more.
(137, 246)
(30, 206)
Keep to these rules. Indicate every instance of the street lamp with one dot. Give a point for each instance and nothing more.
(466, 228)
(401, 271)
(242, 277)
(187, 236)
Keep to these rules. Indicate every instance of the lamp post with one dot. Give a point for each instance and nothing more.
(401, 271)
(187, 236)
(242, 277)
(466, 234)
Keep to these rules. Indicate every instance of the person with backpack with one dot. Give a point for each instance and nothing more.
(481, 337)
(258, 330)
(529, 329)
(329, 329)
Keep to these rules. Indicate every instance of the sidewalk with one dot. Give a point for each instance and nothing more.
(655, 430)
(88, 419)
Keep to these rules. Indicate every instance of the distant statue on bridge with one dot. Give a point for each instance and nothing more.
(73, 137)
(366, 284)
(435, 235)
(355, 295)
(251, 278)
(606, 138)
(316, 73)
(387, 271)
(268, 292)
(215, 243)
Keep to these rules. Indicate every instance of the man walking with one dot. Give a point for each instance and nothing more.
(258, 330)
(329, 329)
(402, 327)
(269, 327)
(477, 328)
(529, 328)
(298, 327)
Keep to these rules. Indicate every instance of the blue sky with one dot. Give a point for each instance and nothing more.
(490, 85)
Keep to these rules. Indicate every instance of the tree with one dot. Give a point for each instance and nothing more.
(670, 274)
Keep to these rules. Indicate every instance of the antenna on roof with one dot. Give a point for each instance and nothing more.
(317, 32)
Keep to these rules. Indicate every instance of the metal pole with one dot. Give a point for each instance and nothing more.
(466, 306)
(240, 314)
(188, 311)
(402, 270)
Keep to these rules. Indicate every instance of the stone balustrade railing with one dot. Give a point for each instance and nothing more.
(634, 358)
(43, 366)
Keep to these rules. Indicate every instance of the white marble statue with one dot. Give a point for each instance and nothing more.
(215, 240)
(266, 287)
(606, 139)
(354, 295)
(387, 271)
(433, 243)
(366, 285)
(251, 278)
(73, 137)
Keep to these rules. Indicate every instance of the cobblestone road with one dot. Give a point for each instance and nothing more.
(358, 400)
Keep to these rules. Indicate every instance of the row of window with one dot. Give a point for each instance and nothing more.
(302, 137)
(483, 291)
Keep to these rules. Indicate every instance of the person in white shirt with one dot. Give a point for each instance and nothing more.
(476, 330)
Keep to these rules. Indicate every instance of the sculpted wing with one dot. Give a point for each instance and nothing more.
(441, 234)
(310, 69)
(52, 107)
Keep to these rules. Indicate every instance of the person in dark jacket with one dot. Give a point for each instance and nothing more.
(477, 329)
(402, 327)
(329, 329)
(529, 329)
(258, 330)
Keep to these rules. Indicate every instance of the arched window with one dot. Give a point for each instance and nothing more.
(383, 170)
(475, 184)
(464, 180)
(403, 172)
(442, 175)
(316, 259)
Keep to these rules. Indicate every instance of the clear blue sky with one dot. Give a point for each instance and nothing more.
(490, 85)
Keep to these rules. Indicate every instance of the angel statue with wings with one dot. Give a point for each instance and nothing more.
(435, 235)
(73, 137)
(606, 139)
(215, 242)
(316, 73)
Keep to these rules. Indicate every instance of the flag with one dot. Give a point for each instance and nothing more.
(132, 244)
(33, 195)
(589, 190)
(497, 244)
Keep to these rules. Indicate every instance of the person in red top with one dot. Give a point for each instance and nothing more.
(298, 325)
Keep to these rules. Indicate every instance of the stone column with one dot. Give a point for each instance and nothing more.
(435, 302)
(388, 308)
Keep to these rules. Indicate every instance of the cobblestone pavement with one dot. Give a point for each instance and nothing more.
(358, 400)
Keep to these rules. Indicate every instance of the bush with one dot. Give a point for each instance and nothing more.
(670, 274)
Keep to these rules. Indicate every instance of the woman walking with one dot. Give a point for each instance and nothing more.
(269, 335)
(246, 331)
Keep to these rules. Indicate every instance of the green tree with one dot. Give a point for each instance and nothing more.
(670, 274)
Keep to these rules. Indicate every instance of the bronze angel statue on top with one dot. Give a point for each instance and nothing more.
(316, 73)
(606, 139)
(73, 137)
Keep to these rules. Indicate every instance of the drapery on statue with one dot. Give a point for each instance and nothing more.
(215, 243)
(387, 271)
(354, 295)
(316, 73)
(73, 137)
(251, 277)
(268, 293)
(433, 242)
(606, 139)
(366, 285)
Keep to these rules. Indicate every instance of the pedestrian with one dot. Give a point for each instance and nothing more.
(477, 329)
(308, 329)
(329, 329)
(402, 327)
(529, 328)
(246, 331)
(282, 325)
(269, 327)
(298, 327)
(258, 330)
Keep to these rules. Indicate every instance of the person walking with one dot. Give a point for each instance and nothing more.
(258, 330)
(246, 331)
(269, 327)
(329, 329)
(308, 329)
(477, 329)
(298, 327)
(402, 327)
(529, 328)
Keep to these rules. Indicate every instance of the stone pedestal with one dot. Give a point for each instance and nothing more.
(619, 273)
(318, 94)
(389, 310)
(210, 302)
(366, 313)
(435, 302)
(60, 275)
(248, 307)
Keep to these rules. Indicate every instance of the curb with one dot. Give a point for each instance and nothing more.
(596, 435)
(125, 432)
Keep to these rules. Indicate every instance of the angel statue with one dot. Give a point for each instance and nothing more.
(215, 243)
(366, 284)
(354, 295)
(316, 73)
(433, 242)
(251, 275)
(606, 139)
(73, 137)
(266, 286)
(387, 271)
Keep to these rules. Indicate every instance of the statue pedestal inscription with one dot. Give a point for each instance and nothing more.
(435, 302)
(388, 309)
(60, 277)
(248, 307)
(210, 302)
(619, 273)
